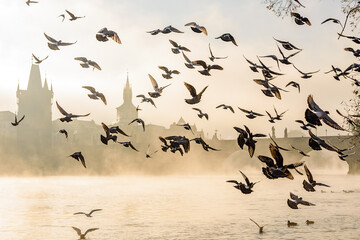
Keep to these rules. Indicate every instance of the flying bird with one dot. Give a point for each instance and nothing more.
(128, 144)
(16, 122)
(104, 34)
(247, 138)
(294, 84)
(158, 90)
(197, 28)
(300, 20)
(63, 131)
(212, 57)
(68, 116)
(189, 64)
(168, 73)
(205, 146)
(28, 2)
(227, 37)
(88, 214)
(79, 157)
(201, 114)
(354, 39)
(287, 45)
(207, 67)
(37, 60)
(300, 151)
(82, 236)
(223, 106)
(55, 44)
(195, 97)
(250, 114)
(261, 228)
(334, 20)
(145, 99)
(314, 114)
(139, 120)
(72, 16)
(277, 145)
(95, 94)
(186, 126)
(176, 49)
(245, 188)
(86, 63)
(296, 201)
(166, 30)
(301, 5)
(304, 74)
(148, 154)
(63, 17)
(105, 139)
(305, 126)
(309, 186)
(356, 52)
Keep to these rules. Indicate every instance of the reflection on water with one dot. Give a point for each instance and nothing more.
(186, 207)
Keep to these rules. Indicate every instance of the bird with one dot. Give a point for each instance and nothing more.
(305, 126)
(309, 186)
(176, 142)
(166, 146)
(261, 228)
(277, 145)
(63, 17)
(245, 188)
(314, 114)
(82, 236)
(95, 94)
(279, 116)
(300, 20)
(250, 114)
(195, 97)
(212, 57)
(291, 224)
(54, 44)
(29, 1)
(158, 90)
(167, 74)
(166, 30)
(37, 60)
(356, 52)
(277, 169)
(104, 34)
(227, 37)
(114, 129)
(79, 157)
(16, 122)
(207, 67)
(293, 84)
(197, 28)
(86, 63)
(186, 126)
(109, 136)
(334, 20)
(176, 49)
(286, 45)
(247, 138)
(272, 119)
(88, 214)
(201, 114)
(72, 16)
(305, 75)
(68, 116)
(128, 144)
(148, 154)
(354, 39)
(300, 151)
(137, 107)
(223, 106)
(145, 99)
(205, 146)
(297, 200)
(308, 222)
(189, 64)
(63, 131)
(139, 120)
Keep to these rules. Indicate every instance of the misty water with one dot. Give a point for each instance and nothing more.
(176, 207)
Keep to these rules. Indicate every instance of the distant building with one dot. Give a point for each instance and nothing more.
(35, 103)
(127, 111)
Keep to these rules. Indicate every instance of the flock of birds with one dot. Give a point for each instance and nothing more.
(274, 166)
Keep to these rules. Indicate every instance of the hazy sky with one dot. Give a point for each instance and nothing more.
(252, 25)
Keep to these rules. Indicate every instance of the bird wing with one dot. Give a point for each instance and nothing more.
(267, 160)
(77, 213)
(244, 110)
(90, 230)
(217, 67)
(255, 222)
(95, 210)
(233, 181)
(175, 30)
(102, 97)
(293, 196)
(91, 89)
(21, 119)
(106, 128)
(231, 109)
(173, 43)
(201, 63)
(197, 109)
(275, 153)
(95, 65)
(211, 53)
(50, 38)
(191, 89)
(113, 35)
(78, 115)
(308, 174)
(63, 112)
(312, 105)
(328, 121)
(293, 54)
(245, 177)
(66, 44)
(78, 231)
(298, 70)
(186, 58)
(154, 83)
(71, 15)
(82, 159)
(83, 59)
(132, 146)
(164, 68)
(35, 58)
(292, 204)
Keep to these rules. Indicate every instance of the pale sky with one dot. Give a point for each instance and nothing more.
(252, 25)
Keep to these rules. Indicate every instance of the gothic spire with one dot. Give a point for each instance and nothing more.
(34, 78)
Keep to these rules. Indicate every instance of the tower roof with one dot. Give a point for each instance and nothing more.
(34, 78)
